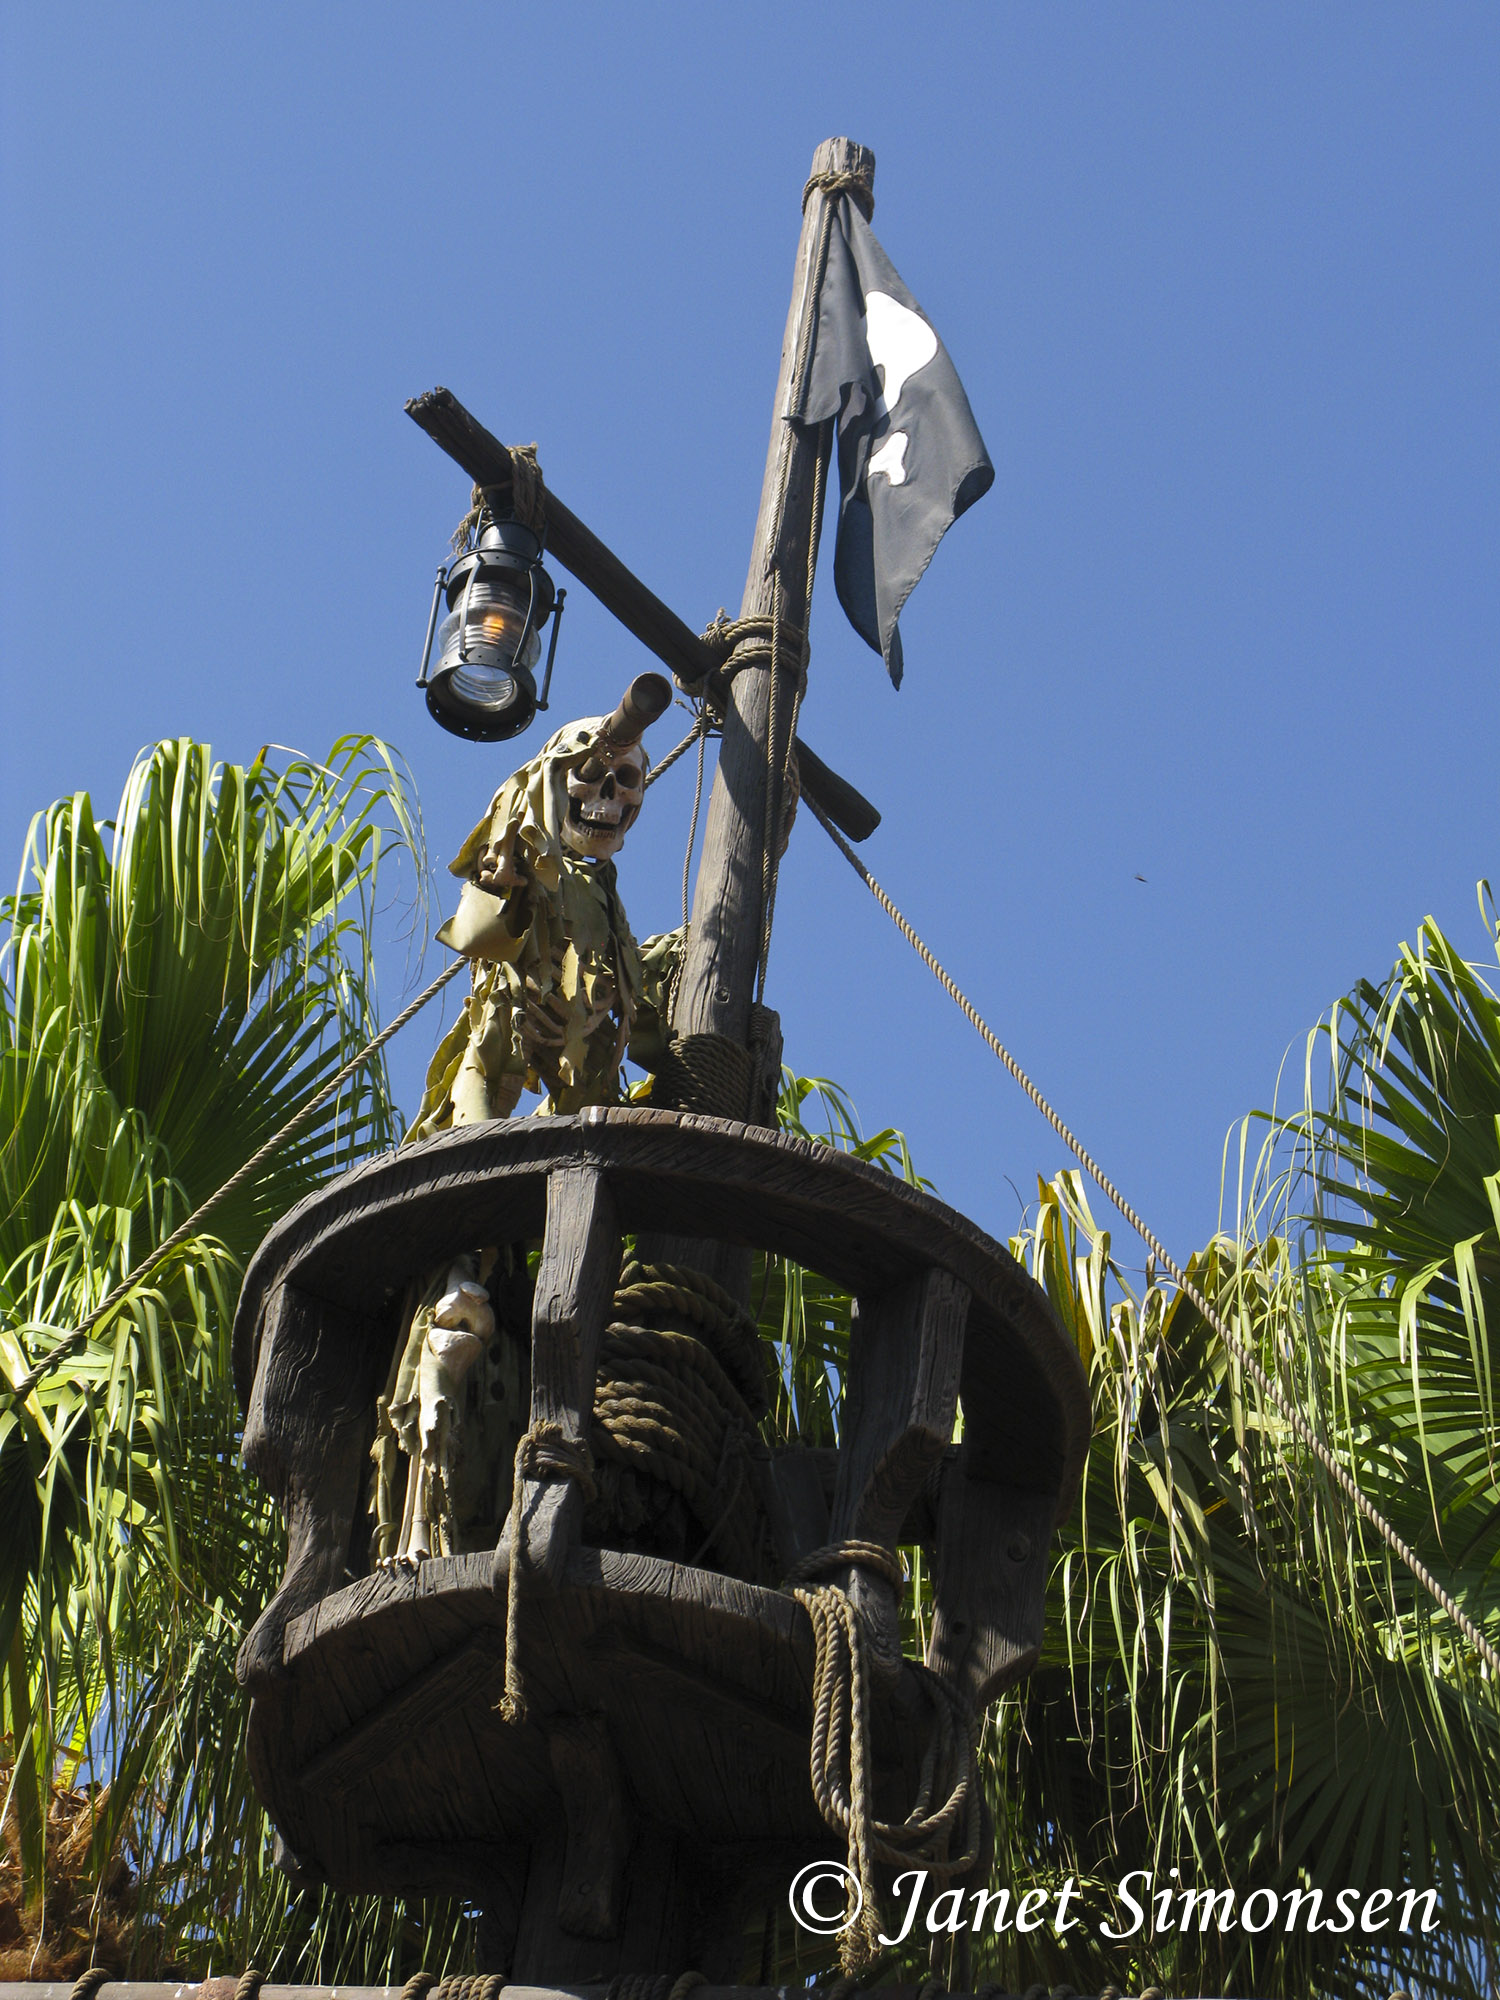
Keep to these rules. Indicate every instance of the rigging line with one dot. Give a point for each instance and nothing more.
(1345, 1481)
(71, 1341)
(700, 728)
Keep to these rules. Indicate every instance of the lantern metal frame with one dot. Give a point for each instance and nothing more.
(502, 548)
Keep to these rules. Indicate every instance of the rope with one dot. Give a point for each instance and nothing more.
(66, 1346)
(707, 1073)
(1345, 1481)
(419, 1986)
(845, 1555)
(700, 728)
(675, 1405)
(832, 184)
(528, 498)
(841, 1766)
(545, 1447)
(731, 1332)
(746, 642)
(249, 1983)
(87, 1984)
(469, 1986)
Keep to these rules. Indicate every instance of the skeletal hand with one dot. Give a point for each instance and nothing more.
(496, 870)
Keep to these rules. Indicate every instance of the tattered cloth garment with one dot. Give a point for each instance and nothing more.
(555, 995)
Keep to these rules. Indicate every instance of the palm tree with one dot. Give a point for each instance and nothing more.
(1240, 1682)
(1235, 1683)
(175, 984)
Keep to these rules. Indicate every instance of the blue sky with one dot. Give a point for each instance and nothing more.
(1221, 283)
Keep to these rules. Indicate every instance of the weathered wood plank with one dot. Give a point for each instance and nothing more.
(308, 1428)
(992, 1556)
(900, 1400)
(418, 1705)
(599, 1825)
(575, 1288)
(678, 1681)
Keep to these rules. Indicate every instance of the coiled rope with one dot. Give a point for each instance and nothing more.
(679, 1388)
(943, 1829)
(1306, 1435)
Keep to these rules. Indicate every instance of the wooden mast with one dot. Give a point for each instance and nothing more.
(719, 972)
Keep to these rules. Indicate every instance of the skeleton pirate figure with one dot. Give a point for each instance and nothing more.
(560, 991)
(559, 988)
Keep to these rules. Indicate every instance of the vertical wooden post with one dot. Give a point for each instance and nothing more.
(718, 978)
(579, 1270)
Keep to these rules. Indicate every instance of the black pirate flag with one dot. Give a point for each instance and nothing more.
(910, 455)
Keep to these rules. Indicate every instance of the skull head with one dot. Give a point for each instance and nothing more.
(604, 797)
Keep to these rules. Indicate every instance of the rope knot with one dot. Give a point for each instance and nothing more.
(835, 1556)
(752, 640)
(545, 1448)
(833, 184)
(528, 498)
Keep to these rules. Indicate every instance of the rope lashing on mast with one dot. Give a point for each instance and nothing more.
(1303, 1430)
(70, 1342)
(836, 182)
(707, 1073)
(943, 1830)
